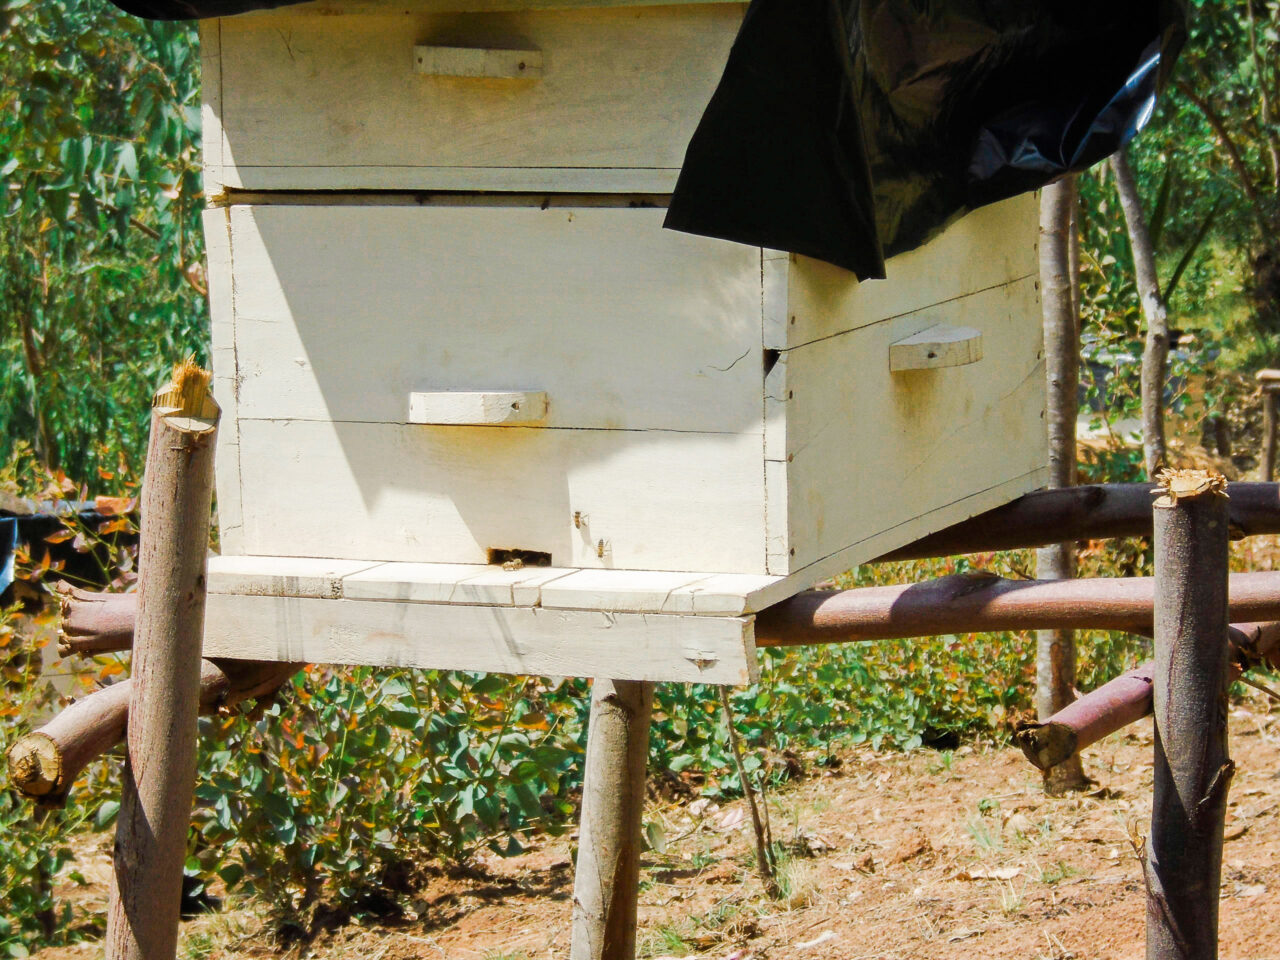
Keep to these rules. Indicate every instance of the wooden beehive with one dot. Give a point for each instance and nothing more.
(449, 331)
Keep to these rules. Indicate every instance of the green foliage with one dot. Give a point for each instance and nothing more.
(34, 849)
(100, 284)
(1213, 148)
(339, 794)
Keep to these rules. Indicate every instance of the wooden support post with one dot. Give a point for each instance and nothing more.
(606, 883)
(160, 766)
(1183, 860)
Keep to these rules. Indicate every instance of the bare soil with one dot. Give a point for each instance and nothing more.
(893, 856)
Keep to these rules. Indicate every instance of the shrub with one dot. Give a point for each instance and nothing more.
(339, 794)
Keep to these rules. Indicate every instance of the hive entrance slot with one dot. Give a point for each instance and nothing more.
(522, 558)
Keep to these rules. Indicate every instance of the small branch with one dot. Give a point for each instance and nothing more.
(1258, 685)
(1228, 143)
(1127, 699)
(764, 858)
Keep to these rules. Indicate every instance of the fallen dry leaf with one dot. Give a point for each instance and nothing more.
(732, 818)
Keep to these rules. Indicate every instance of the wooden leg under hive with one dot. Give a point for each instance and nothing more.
(607, 877)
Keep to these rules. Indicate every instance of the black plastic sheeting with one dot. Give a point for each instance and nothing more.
(852, 130)
(195, 9)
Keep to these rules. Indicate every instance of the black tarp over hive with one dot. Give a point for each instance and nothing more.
(851, 130)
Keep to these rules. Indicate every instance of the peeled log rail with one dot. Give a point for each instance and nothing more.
(1127, 699)
(1099, 713)
(46, 762)
(95, 622)
(1093, 512)
(984, 603)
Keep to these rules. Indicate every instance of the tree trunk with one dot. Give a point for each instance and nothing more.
(46, 762)
(1183, 862)
(1056, 649)
(1269, 398)
(606, 884)
(48, 447)
(160, 764)
(984, 603)
(1155, 353)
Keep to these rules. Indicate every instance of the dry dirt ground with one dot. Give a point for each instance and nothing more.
(895, 856)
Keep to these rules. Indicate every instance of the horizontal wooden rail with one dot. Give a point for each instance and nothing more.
(45, 763)
(1093, 512)
(984, 603)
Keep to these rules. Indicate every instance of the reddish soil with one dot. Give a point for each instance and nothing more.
(895, 856)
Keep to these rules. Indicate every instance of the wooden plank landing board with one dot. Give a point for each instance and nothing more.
(477, 617)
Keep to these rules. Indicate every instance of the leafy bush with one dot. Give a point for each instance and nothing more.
(340, 794)
(35, 847)
(101, 284)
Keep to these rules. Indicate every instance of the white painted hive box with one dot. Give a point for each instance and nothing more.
(449, 330)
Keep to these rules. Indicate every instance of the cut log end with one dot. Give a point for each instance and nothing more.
(1175, 485)
(1045, 744)
(35, 766)
(186, 398)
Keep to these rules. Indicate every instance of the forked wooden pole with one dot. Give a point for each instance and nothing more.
(1183, 858)
(606, 882)
(160, 766)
